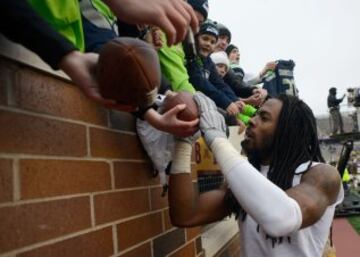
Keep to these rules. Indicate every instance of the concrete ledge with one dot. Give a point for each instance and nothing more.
(19, 53)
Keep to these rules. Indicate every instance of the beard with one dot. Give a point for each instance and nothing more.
(257, 154)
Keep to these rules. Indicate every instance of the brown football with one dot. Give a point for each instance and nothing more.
(191, 111)
(129, 71)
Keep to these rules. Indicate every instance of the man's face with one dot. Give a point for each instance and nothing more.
(222, 43)
(259, 135)
(206, 44)
(234, 56)
(221, 69)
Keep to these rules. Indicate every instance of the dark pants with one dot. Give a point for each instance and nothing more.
(336, 120)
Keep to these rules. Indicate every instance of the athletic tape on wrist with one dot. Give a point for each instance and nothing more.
(182, 158)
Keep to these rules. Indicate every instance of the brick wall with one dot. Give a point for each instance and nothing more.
(74, 180)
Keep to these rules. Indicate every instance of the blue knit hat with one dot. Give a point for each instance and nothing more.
(209, 28)
(202, 6)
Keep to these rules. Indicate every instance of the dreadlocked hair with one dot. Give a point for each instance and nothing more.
(295, 141)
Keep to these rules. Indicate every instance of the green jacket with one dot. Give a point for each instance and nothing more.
(172, 62)
(65, 17)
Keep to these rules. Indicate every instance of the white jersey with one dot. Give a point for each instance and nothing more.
(306, 242)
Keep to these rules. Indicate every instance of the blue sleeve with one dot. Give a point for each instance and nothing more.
(238, 85)
(219, 83)
(202, 84)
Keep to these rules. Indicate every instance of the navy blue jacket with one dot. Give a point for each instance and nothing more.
(204, 77)
(237, 84)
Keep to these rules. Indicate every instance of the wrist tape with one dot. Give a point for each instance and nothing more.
(182, 158)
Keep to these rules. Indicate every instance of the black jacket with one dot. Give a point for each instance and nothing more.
(333, 102)
(204, 77)
(20, 23)
(238, 85)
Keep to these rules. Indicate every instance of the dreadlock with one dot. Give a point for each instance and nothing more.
(295, 142)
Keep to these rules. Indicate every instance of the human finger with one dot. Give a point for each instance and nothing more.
(175, 110)
(162, 21)
(94, 95)
(189, 124)
(194, 22)
(180, 24)
(180, 7)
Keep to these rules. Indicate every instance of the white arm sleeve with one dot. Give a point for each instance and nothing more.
(276, 212)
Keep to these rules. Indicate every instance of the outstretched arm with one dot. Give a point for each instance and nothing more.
(169, 122)
(187, 208)
(81, 68)
(173, 16)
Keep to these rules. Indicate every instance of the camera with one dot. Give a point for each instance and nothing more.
(353, 96)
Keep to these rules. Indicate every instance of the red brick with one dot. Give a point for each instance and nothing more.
(94, 244)
(6, 180)
(27, 224)
(133, 174)
(192, 233)
(42, 93)
(141, 251)
(21, 133)
(158, 201)
(119, 205)
(46, 178)
(111, 144)
(167, 220)
(169, 242)
(187, 251)
(137, 230)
